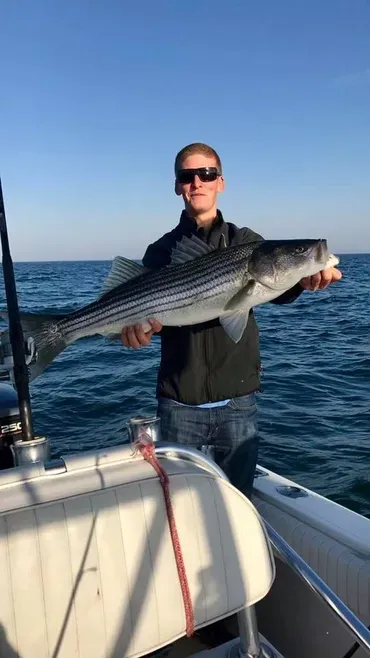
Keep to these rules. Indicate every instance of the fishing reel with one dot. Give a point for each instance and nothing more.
(6, 356)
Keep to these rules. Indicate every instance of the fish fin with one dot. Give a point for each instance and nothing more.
(241, 299)
(234, 323)
(48, 339)
(238, 308)
(188, 249)
(122, 270)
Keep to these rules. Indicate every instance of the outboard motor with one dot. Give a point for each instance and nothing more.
(10, 416)
(10, 420)
(10, 424)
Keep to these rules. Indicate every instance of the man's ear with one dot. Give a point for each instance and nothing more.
(221, 184)
(177, 189)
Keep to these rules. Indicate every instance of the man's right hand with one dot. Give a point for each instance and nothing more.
(136, 337)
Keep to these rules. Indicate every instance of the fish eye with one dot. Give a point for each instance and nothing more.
(300, 250)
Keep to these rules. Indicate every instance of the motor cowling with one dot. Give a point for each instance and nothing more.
(10, 424)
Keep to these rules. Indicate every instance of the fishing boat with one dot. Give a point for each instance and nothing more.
(146, 548)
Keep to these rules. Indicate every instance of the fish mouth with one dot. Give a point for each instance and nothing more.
(332, 261)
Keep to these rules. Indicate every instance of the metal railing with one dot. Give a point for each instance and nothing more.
(357, 629)
(321, 589)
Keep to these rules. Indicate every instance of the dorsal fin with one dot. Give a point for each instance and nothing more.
(122, 270)
(189, 248)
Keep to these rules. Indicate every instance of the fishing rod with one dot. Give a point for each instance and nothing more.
(20, 369)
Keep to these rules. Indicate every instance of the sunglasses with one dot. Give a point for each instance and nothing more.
(206, 175)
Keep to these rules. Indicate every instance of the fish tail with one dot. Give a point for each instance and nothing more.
(47, 336)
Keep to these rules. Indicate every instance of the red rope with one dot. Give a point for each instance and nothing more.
(147, 450)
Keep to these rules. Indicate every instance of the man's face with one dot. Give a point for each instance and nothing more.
(200, 196)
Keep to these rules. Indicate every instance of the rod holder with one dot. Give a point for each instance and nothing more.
(31, 451)
(144, 427)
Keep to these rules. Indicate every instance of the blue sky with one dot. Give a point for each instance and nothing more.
(97, 98)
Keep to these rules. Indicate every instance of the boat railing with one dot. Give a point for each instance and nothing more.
(283, 550)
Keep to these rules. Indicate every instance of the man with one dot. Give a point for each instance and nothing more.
(207, 384)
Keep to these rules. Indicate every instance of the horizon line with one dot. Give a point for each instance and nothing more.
(107, 260)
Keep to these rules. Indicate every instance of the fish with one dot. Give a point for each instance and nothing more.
(201, 283)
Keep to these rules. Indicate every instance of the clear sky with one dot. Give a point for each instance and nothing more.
(98, 96)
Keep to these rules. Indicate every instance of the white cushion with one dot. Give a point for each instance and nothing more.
(87, 564)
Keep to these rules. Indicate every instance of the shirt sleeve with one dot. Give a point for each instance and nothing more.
(247, 235)
(158, 254)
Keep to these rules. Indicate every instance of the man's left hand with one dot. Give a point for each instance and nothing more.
(321, 280)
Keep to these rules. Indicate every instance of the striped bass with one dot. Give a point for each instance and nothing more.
(200, 284)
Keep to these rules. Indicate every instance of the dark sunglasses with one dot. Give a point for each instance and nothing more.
(206, 175)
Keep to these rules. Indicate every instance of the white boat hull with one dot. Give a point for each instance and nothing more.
(335, 542)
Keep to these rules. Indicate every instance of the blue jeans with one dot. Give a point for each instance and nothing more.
(231, 431)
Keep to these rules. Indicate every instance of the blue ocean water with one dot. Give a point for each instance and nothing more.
(315, 408)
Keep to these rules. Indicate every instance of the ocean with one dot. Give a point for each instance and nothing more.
(314, 412)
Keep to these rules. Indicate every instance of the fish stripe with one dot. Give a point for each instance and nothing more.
(135, 305)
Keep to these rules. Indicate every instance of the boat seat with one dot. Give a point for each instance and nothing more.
(87, 563)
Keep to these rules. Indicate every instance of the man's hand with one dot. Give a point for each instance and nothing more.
(136, 337)
(321, 280)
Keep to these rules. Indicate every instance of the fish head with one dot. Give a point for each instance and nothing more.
(280, 264)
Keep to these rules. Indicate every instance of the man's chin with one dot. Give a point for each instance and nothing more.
(198, 204)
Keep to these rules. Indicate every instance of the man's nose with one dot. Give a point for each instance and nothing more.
(197, 182)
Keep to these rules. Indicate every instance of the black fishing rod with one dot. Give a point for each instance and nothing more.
(15, 330)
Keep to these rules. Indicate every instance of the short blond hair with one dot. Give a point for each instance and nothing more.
(192, 149)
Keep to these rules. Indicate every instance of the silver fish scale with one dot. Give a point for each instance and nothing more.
(166, 289)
